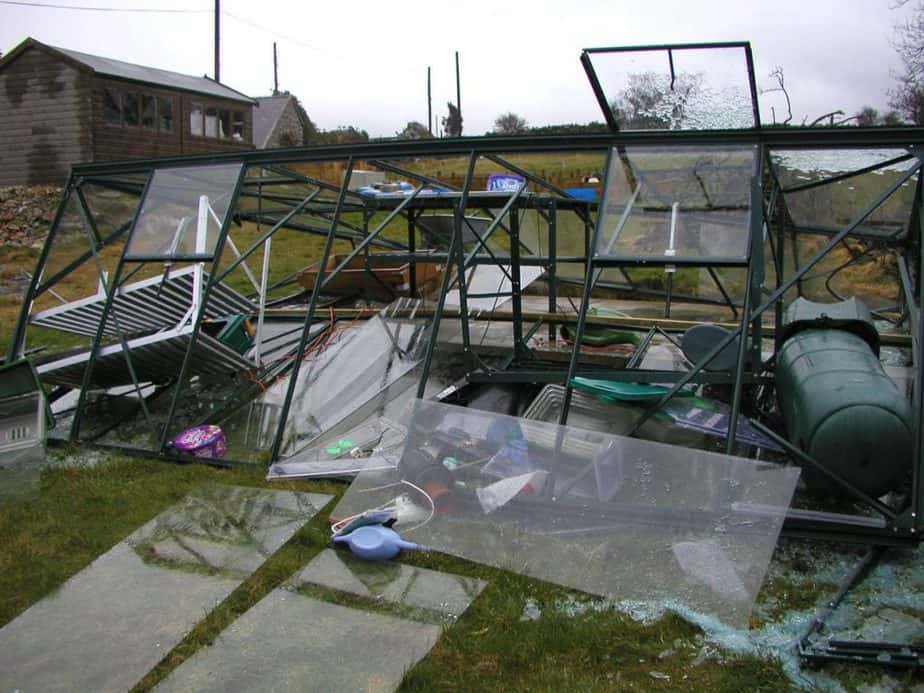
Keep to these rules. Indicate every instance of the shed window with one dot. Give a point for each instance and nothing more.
(224, 124)
(237, 125)
(211, 122)
(130, 108)
(112, 108)
(165, 114)
(220, 123)
(148, 111)
(195, 119)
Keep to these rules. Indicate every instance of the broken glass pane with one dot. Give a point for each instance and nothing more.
(108, 625)
(618, 517)
(183, 211)
(683, 202)
(835, 204)
(679, 89)
(885, 607)
(349, 368)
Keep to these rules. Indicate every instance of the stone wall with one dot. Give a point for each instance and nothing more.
(26, 213)
(288, 131)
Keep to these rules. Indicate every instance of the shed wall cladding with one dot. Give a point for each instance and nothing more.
(142, 121)
(45, 110)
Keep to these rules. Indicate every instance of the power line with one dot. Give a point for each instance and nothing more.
(150, 10)
(273, 32)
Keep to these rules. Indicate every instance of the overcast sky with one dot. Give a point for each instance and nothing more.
(365, 63)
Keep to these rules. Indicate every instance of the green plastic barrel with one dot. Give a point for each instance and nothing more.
(841, 408)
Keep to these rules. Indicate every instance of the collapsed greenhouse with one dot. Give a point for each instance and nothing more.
(632, 343)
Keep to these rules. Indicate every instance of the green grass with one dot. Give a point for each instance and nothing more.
(81, 513)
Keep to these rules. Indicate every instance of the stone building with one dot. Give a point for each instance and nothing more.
(279, 121)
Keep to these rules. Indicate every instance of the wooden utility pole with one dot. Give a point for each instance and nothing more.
(429, 104)
(458, 92)
(275, 71)
(217, 40)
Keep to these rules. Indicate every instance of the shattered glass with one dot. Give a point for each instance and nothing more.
(107, 626)
(835, 204)
(680, 89)
(887, 606)
(617, 517)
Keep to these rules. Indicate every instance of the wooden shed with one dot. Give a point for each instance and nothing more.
(59, 107)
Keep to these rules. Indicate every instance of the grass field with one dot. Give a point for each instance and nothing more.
(80, 513)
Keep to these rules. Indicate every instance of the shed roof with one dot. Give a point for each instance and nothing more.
(137, 73)
(266, 115)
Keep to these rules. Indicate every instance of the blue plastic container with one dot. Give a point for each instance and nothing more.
(375, 542)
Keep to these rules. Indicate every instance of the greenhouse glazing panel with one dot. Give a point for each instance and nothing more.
(618, 517)
(663, 203)
(183, 211)
(677, 89)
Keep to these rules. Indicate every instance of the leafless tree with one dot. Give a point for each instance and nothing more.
(907, 97)
(777, 74)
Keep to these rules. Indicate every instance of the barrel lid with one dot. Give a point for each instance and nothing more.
(851, 315)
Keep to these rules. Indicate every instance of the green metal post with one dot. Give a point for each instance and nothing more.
(917, 472)
(204, 299)
(519, 348)
(309, 316)
(455, 250)
(19, 333)
(460, 260)
(94, 349)
(411, 249)
(551, 267)
(93, 237)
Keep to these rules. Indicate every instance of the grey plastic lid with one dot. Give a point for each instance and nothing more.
(851, 315)
(699, 340)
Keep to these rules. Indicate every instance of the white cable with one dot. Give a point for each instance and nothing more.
(429, 500)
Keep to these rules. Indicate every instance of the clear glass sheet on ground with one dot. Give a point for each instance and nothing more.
(426, 595)
(107, 626)
(291, 641)
(618, 517)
